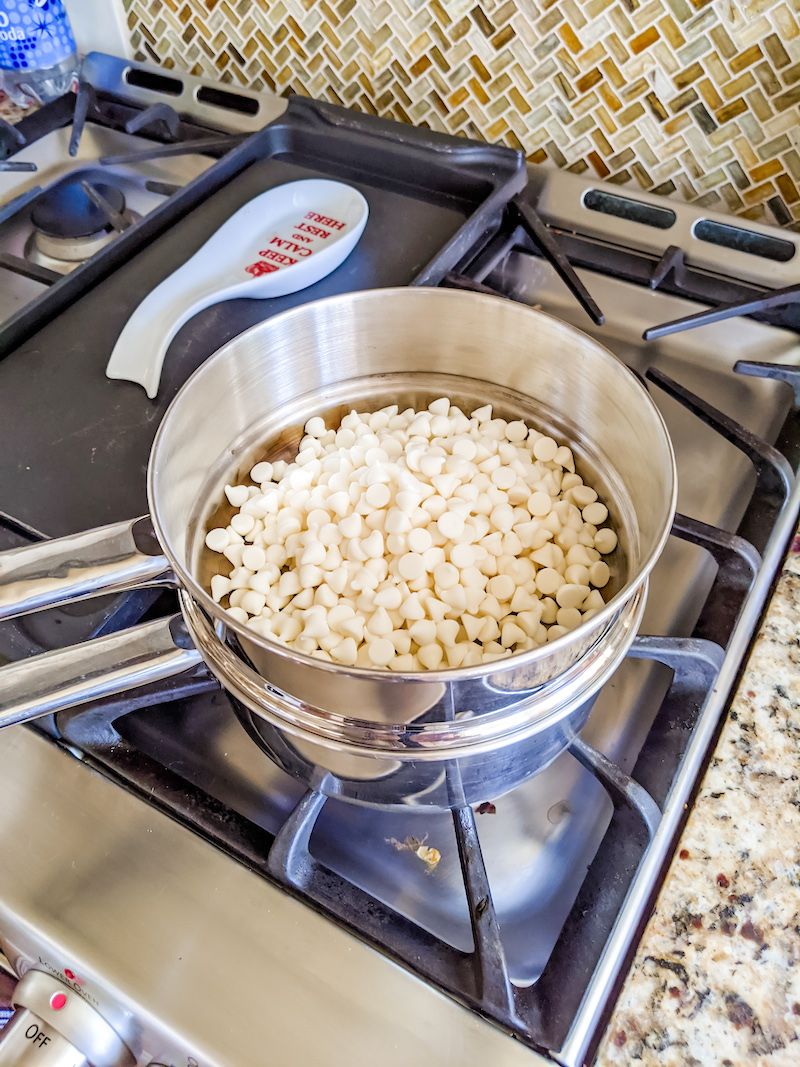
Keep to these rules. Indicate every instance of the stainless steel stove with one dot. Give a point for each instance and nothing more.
(183, 894)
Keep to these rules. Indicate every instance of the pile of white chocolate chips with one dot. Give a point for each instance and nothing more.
(415, 540)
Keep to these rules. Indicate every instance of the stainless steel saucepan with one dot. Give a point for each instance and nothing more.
(346, 729)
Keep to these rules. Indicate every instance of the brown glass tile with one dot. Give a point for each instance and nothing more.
(617, 49)
(621, 178)
(657, 108)
(690, 164)
(555, 153)
(759, 193)
(709, 94)
(780, 103)
(641, 175)
(776, 52)
(759, 106)
(722, 42)
(539, 156)
(682, 101)
(549, 22)
(670, 32)
(687, 76)
(570, 38)
(636, 89)
(511, 140)
(602, 142)
(622, 159)
(518, 100)
(792, 161)
(733, 201)
(731, 110)
(479, 68)
(605, 121)
(768, 80)
(568, 64)
(787, 188)
(644, 40)
(597, 162)
(630, 113)
(478, 91)
(497, 129)
(791, 74)
(664, 189)
(481, 21)
(584, 104)
(439, 60)
(766, 170)
(580, 166)
(780, 211)
(609, 98)
(613, 73)
(504, 13)
(678, 123)
(589, 79)
(420, 66)
(460, 30)
(597, 7)
(745, 59)
(738, 85)
(564, 87)
(501, 39)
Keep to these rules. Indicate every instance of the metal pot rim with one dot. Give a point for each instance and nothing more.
(520, 660)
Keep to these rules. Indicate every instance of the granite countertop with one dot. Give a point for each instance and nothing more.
(715, 981)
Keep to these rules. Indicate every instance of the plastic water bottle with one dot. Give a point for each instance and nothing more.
(38, 60)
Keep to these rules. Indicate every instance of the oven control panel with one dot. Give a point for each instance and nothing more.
(54, 1027)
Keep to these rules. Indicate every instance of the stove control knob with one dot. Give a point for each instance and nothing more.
(54, 1027)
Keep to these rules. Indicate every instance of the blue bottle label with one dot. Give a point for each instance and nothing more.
(34, 34)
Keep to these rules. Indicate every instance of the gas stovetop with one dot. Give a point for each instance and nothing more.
(534, 908)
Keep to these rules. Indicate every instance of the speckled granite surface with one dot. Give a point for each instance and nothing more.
(716, 978)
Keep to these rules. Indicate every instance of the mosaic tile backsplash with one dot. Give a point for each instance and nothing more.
(691, 98)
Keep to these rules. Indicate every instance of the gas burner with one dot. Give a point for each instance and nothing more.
(73, 220)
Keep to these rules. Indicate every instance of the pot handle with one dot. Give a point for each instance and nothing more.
(53, 681)
(107, 559)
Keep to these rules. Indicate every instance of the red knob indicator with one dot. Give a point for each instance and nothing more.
(58, 1001)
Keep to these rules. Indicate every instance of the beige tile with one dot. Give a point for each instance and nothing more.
(573, 82)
